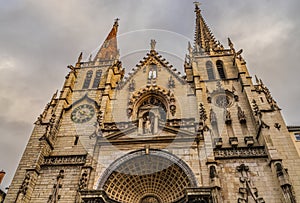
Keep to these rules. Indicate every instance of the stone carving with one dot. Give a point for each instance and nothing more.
(243, 152)
(218, 142)
(65, 160)
(137, 96)
(24, 187)
(247, 188)
(212, 172)
(227, 116)
(233, 141)
(132, 86)
(277, 126)
(152, 44)
(260, 87)
(171, 82)
(284, 182)
(241, 115)
(83, 180)
(180, 123)
(249, 140)
(213, 117)
(202, 113)
(258, 113)
(256, 109)
(54, 197)
(98, 125)
(148, 124)
(118, 126)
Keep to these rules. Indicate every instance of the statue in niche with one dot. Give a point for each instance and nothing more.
(148, 124)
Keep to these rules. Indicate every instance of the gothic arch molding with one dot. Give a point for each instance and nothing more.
(166, 97)
(140, 176)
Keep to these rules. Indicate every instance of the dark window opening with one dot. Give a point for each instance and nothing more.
(87, 80)
(210, 71)
(220, 69)
(97, 78)
(76, 140)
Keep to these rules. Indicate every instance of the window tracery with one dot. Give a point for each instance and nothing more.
(210, 71)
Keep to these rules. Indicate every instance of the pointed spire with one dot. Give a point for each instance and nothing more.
(109, 48)
(204, 38)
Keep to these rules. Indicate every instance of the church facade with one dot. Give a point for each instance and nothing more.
(155, 136)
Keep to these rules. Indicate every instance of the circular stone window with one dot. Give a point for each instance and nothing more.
(222, 101)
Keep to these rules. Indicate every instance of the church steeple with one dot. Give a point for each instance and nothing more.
(109, 48)
(204, 39)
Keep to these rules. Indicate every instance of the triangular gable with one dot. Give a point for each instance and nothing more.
(147, 60)
(85, 97)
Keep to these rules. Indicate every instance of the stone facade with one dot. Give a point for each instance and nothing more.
(155, 136)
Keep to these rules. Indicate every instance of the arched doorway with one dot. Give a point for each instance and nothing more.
(157, 177)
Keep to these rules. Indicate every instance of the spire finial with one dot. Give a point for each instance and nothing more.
(197, 4)
(152, 44)
(116, 23)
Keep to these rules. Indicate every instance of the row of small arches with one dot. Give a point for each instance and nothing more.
(88, 79)
(210, 70)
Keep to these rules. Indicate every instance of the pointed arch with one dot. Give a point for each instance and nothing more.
(87, 80)
(220, 68)
(140, 174)
(97, 79)
(210, 70)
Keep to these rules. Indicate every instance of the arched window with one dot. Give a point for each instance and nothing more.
(210, 71)
(220, 69)
(97, 78)
(87, 80)
(152, 72)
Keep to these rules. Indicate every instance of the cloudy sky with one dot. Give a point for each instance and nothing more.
(38, 39)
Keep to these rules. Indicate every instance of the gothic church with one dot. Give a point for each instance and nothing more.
(156, 136)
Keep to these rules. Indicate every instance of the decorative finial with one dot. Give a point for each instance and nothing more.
(79, 58)
(153, 43)
(116, 22)
(197, 4)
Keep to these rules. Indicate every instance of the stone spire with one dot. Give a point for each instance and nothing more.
(109, 48)
(204, 39)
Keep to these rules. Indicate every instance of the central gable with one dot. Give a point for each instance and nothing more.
(153, 93)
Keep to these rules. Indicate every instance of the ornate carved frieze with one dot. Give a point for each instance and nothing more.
(64, 160)
(242, 152)
(180, 123)
(117, 126)
(84, 178)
